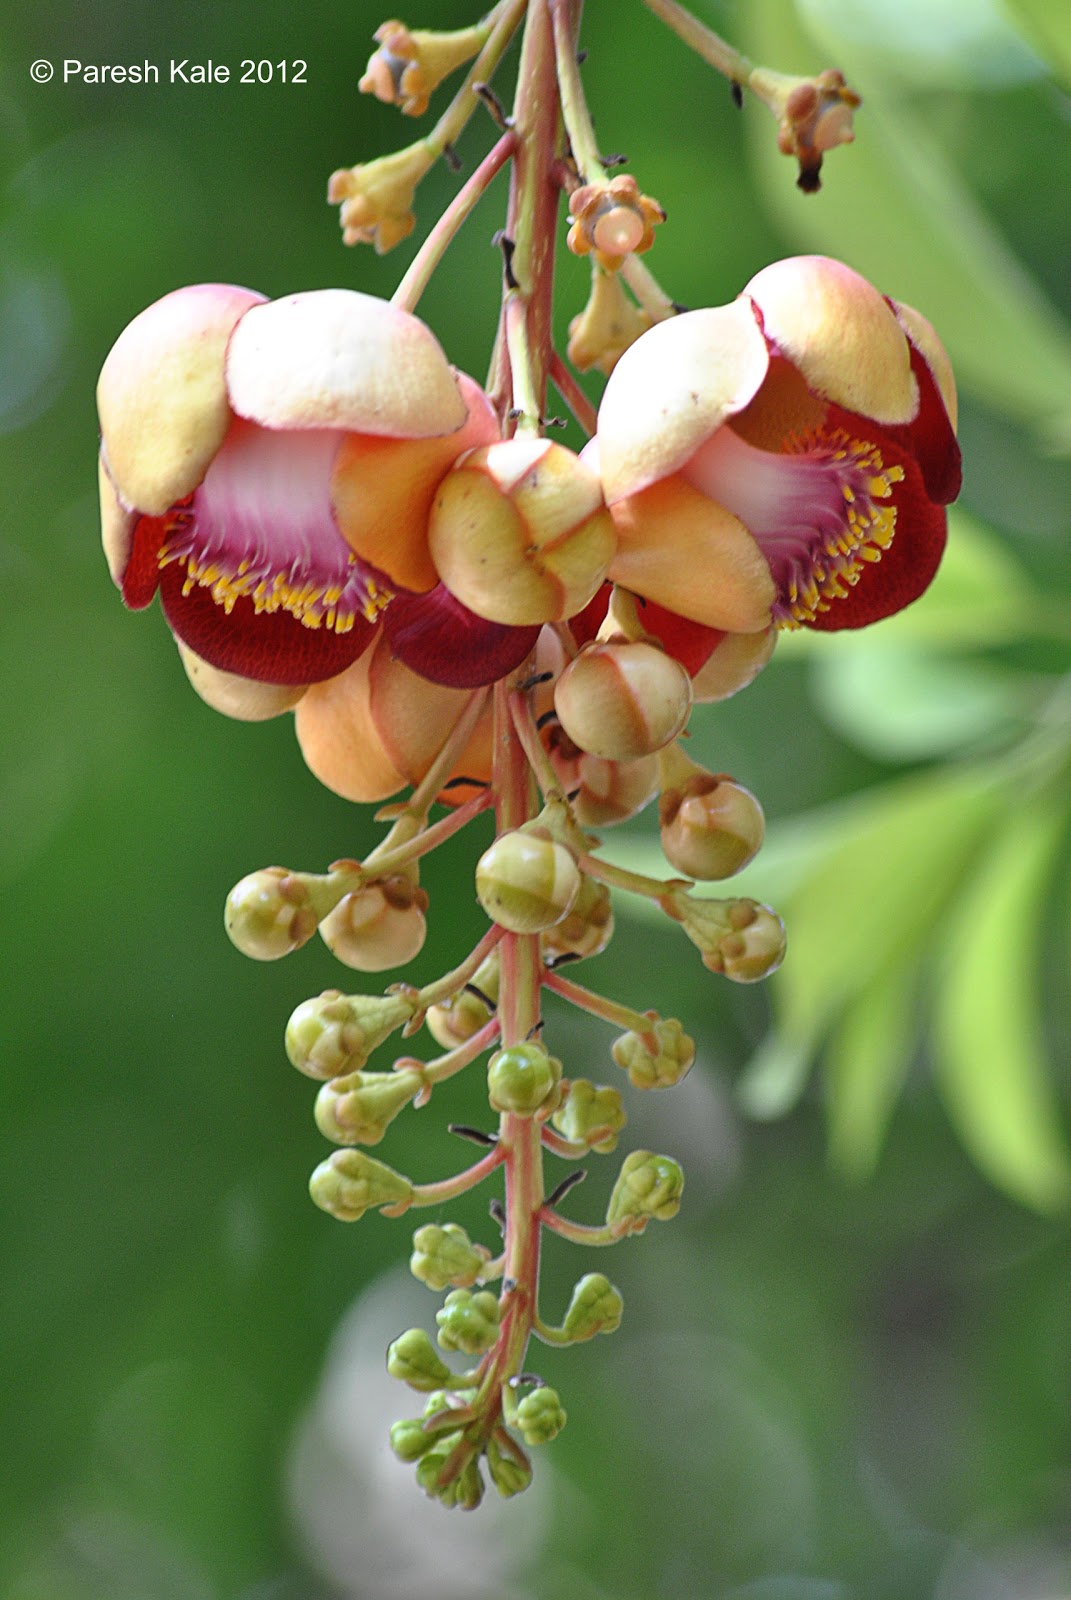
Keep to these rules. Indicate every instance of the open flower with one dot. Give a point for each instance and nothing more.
(784, 458)
(246, 446)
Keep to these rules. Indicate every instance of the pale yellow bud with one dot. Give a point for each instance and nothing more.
(336, 1033)
(381, 925)
(742, 939)
(586, 929)
(520, 533)
(711, 826)
(602, 792)
(269, 914)
(623, 698)
(526, 881)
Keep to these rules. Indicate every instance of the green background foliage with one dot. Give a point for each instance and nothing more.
(843, 1370)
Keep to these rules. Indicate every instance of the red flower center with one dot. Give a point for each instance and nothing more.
(817, 511)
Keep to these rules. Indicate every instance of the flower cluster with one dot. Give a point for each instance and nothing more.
(342, 525)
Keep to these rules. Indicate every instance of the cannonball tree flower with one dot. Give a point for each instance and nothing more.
(245, 446)
(787, 457)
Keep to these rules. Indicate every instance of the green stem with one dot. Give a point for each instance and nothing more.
(457, 114)
(433, 1194)
(575, 113)
(584, 1233)
(634, 882)
(387, 858)
(598, 1005)
(703, 40)
(445, 1066)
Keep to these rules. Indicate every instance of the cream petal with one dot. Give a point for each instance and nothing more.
(335, 358)
(672, 389)
(688, 553)
(116, 525)
(923, 336)
(161, 395)
(241, 698)
(839, 331)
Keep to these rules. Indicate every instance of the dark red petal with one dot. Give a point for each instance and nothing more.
(908, 566)
(586, 624)
(930, 437)
(438, 637)
(142, 576)
(690, 643)
(270, 647)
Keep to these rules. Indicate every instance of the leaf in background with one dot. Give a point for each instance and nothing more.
(865, 1065)
(1047, 25)
(870, 898)
(896, 211)
(989, 1055)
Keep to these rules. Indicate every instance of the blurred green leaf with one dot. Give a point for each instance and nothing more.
(865, 1065)
(1047, 25)
(990, 1061)
(894, 208)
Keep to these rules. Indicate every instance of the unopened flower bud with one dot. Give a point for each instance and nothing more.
(733, 663)
(814, 115)
(380, 925)
(612, 220)
(413, 1359)
(468, 1322)
(465, 1490)
(596, 1307)
(520, 533)
(411, 63)
(445, 1256)
(711, 826)
(586, 929)
(335, 1033)
(359, 1109)
(608, 324)
(523, 1079)
(647, 1186)
(269, 914)
(349, 1183)
(526, 882)
(602, 792)
(743, 939)
(409, 1441)
(676, 1052)
(540, 1416)
(510, 1473)
(590, 1114)
(455, 1020)
(376, 197)
(623, 698)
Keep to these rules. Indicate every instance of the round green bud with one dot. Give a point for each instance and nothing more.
(522, 1078)
(268, 914)
(349, 1183)
(676, 1052)
(468, 1322)
(540, 1416)
(647, 1186)
(409, 1441)
(511, 1473)
(335, 1033)
(590, 1114)
(596, 1307)
(526, 881)
(359, 1109)
(465, 1490)
(413, 1359)
(445, 1256)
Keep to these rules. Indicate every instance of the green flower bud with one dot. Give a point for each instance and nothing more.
(540, 1416)
(349, 1183)
(445, 1255)
(468, 1322)
(335, 1033)
(647, 1186)
(676, 1052)
(591, 1114)
(596, 1307)
(522, 1078)
(413, 1359)
(527, 881)
(586, 929)
(510, 1473)
(359, 1109)
(269, 913)
(409, 1441)
(465, 1490)
(740, 938)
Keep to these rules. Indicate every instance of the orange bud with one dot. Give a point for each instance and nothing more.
(622, 699)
